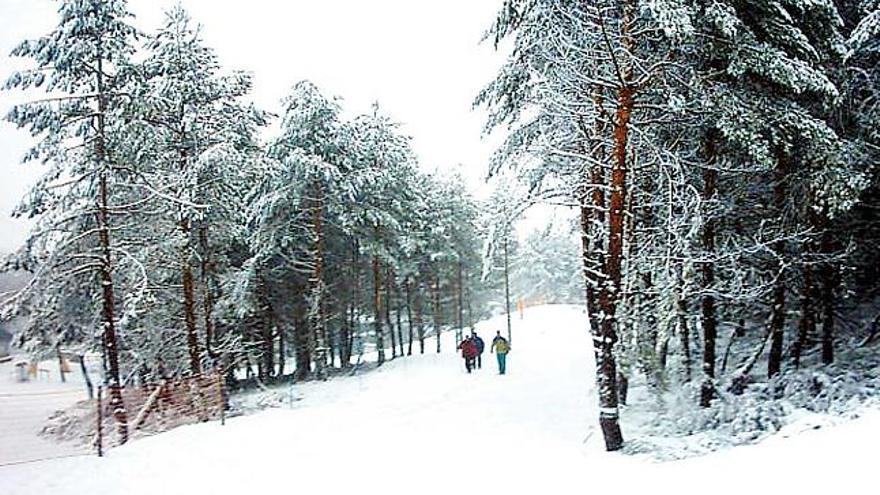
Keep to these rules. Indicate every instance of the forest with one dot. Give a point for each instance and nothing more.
(719, 161)
(723, 157)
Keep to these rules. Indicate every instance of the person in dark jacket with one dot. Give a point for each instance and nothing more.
(481, 346)
(468, 352)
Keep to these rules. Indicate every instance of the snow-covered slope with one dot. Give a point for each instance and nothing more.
(422, 425)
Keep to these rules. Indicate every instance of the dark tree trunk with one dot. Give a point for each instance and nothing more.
(301, 333)
(377, 310)
(437, 315)
(707, 302)
(684, 336)
(388, 283)
(207, 292)
(397, 317)
(318, 346)
(105, 273)
(807, 325)
(592, 218)
(777, 310)
(460, 298)
(348, 342)
(507, 289)
(420, 320)
(281, 351)
(409, 318)
(266, 332)
(189, 303)
(829, 286)
(622, 388)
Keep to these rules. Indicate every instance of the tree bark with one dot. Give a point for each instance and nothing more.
(460, 284)
(829, 285)
(409, 318)
(707, 303)
(377, 310)
(208, 294)
(807, 325)
(610, 293)
(281, 351)
(684, 336)
(437, 315)
(420, 320)
(777, 310)
(105, 272)
(507, 289)
(189, 301)
(318, 345)
(388, 283)
(301, 332)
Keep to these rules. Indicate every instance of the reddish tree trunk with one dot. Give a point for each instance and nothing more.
(105, 272)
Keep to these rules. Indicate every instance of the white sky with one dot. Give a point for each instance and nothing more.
(420, 59)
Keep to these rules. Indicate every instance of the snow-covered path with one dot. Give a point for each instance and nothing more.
(422, 425)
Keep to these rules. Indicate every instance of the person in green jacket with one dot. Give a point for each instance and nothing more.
(500, 347)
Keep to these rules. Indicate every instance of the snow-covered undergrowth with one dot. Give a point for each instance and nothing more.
(668, 424)
(422, 424)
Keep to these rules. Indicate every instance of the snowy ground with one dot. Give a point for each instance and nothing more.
(421, 424)
(25, 407)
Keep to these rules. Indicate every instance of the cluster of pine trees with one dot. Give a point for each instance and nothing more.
(723, 155)
(174, 239)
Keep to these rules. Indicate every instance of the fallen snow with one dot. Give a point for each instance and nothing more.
(421, 424)
(25, 407)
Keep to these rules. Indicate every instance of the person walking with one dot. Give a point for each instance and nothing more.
(468, 352)
(480, 348)
(500, 347)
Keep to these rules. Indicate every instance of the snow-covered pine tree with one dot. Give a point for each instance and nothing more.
(201, 138)
(73, 249)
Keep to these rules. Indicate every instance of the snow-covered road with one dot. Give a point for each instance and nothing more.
(423, 425)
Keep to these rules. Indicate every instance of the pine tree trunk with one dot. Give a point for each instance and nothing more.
(189, 301)
(807, 326)
(111, 345)
(207, 295)
(610, 294)
(460, 284)
(301, 330)
(437, 316)
(409, 318)
(348, 343)
(709, 319)
(377, 310)
(592, 214)
(684, 336)
(829, 285)
(267, 331)
(282, 358)
(316, 311)
(420, 320)
(397, 317)
(388, 282)
(777, 311)
(507, 289)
